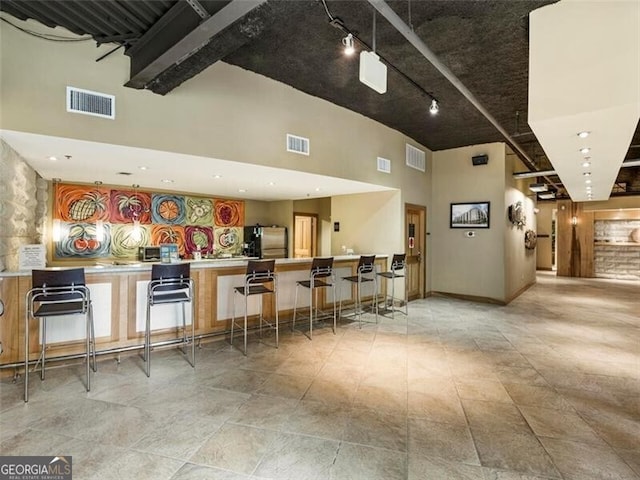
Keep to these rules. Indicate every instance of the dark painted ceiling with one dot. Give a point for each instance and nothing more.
(484, 43)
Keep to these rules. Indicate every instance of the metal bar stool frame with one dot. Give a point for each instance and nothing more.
(398, 264)
(170, 283)
(365, 273)
(321, 268)
(56, 293)
(259, 273)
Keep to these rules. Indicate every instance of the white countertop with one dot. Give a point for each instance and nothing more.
(133, 266)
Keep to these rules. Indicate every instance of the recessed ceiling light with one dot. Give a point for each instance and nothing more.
(217, 176)
(143, 167)
(583, 134)
(166, 180)
(586, 174)
(585, 150)
(587, 181)
(242, 190)
(271, 184)
(53, 159)
(317, 189)
(586, 164)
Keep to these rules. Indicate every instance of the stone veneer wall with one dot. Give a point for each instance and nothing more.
(616, 261)
(23, 206)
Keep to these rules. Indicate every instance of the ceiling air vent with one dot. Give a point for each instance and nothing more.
(91, 103)
(297, 144)
(415, 158)
(384, 165)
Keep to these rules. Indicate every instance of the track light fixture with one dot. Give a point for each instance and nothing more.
(349, 48)
(434, 108)
(348, 43)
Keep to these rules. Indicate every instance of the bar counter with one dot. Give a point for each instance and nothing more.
(119, 296)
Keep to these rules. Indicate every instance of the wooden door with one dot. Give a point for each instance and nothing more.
(304, 233)
(415, 248)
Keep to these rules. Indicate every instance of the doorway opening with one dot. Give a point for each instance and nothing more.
(415, 247)
(305, 235)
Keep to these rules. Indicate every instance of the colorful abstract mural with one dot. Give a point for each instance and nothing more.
(168, 234)
(168, 209)
(100, 222)
(229, 213)
(229, 239)
(80, 204)
(128, 206)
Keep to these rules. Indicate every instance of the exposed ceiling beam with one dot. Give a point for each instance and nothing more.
(192, 42)
(408, 33)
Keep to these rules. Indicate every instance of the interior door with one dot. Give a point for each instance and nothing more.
(304, 236)
(415, 248)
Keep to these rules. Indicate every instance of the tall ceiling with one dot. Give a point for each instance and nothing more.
(483, 43)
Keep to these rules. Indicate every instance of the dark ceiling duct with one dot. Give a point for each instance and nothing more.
(180, 45)
(408, 33)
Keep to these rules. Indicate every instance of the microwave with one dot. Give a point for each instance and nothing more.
(149, 254)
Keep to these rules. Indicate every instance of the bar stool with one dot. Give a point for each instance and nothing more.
(170, 283)
(260, 279)
(366, 274)
(398, 270)
(55, 293)
(321, 268)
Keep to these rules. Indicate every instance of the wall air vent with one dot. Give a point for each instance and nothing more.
(297, 144)
(384, 165)
(415, 158)
(91, 103)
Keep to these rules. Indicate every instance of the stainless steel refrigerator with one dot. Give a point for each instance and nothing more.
(265, 242)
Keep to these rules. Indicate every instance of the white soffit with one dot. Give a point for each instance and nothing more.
(88, 162)
(584, 75)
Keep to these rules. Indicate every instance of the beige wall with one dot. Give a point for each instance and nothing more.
(229, 113)
(224, 112)
(322, 208)
(460, 265)
(368, 223)
(520, 263)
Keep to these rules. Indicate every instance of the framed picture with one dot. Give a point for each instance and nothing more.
(469, 215)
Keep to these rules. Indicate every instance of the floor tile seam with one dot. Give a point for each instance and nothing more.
(550, 458)
(551, 387)
(338, 438)
(581, 416)
(375, 447)
(468, 426)
(370, 445)
(600, 446)
(132, 448)
(537, 437)
(275, 439)
(213, 467)
(39, 430)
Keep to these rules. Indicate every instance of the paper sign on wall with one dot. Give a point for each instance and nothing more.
(32, 256)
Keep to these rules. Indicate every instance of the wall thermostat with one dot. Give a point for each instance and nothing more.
(470, 234)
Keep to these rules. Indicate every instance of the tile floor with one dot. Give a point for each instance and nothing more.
(544, 388)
